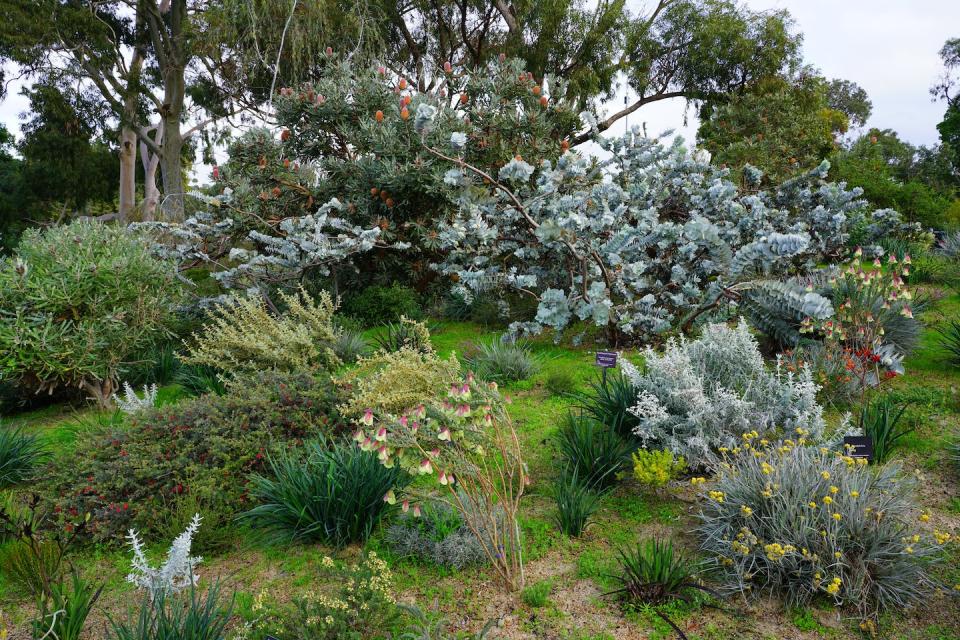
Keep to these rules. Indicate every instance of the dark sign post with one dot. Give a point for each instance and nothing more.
(606, 360)
(859, 447)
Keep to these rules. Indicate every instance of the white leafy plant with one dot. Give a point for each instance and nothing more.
(177, 571)
(700, 397)
(131, 403)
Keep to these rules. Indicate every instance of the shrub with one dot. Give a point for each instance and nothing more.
(405, 333)
(197, 617)
(203, 448)
(131, 403)
(880, 420)
(609, 400)
(502, 360)
(75, 302)
(329, 495)
(800, 522)
(577, 501)
(377, 305)
(392, 382)
(175, 574)
(20, 455)
(243, 336)
(465, 441)
(31, 565)
(560, 382)
(950, 340)
(439, 536)
(656, 468)
(593, 452)
(422, 628)
(699, 396)
(359, 605)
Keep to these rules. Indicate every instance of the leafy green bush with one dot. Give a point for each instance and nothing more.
(593, 452)
(800, 522)
(577, 501)
(20, 455)
(439, 536)
(204, 448)
(163, 615)
(332, 495)
(501, 361)
(75, 302)
(378, 305)
(657, 468)
(244, 336)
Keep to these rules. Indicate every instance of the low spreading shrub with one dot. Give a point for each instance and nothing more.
(77, 301)
(392, 382)
(331, 495)
(377, 305)
(205, 448)
(698, 396)
(20, 456)
(357, 604)
(439, 536)
(653, 468)
(244, 336)
(592, 451)
(801, 522)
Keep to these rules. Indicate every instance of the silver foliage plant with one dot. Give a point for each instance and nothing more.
(645, 240)
(257, 259)
(131, 403)
(176, 572)
(699, 397)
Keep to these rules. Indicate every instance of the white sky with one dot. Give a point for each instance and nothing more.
(889, 47)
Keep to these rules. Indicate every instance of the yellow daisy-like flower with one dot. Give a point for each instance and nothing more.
(837, 555)
(924, 517)
(837, 517)
(854, 494)
(812, 504)
(696, 481)
(746, 511)
(909, 549)
(834, 490)
(766, 468)
(825, 475)
(827, 500)
(716, 495)
(942, 537)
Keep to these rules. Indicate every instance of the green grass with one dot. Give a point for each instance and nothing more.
(537, 594)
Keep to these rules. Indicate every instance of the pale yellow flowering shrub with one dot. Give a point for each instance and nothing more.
(244, 336)
(393, 382)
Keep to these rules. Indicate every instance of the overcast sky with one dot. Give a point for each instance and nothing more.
(889, 47)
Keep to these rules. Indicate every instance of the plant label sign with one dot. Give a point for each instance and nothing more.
(606, 359)
(859, 447)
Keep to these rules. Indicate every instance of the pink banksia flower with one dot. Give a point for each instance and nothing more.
(488, 419)
(366, 445)
(383, 453)
(415, 426)
(877, 263)
(420, 411)
(906, 312)
(858, 252)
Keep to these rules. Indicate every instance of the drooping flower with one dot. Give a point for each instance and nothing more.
(367, 418)
(425, 467)
(390, 497)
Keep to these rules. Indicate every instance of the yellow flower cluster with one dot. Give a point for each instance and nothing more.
(834, 587)
(776, 551)
(942, 537)
(716, 495)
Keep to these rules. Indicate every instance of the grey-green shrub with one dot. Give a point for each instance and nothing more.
(439, 536)
(502, 360)
(801, 522)
(76, 301)
(333, 495)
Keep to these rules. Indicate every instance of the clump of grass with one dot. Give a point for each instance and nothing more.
(950, 340)
(331, 495)
(537, 594)
(20, 455)
(593, 452)
(576, 503)
(560, 382)
(502, 360)
(880, 420)
(608, 401)
(350, 345)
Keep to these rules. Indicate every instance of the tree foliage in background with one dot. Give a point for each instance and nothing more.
(782, 126)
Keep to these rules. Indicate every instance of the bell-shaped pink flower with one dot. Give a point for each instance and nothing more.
(405, 506)
(381, 434)
(367, 418)
(425, 467)
(444, 434)
(359, 436)
(390, 497)
(416, 511)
